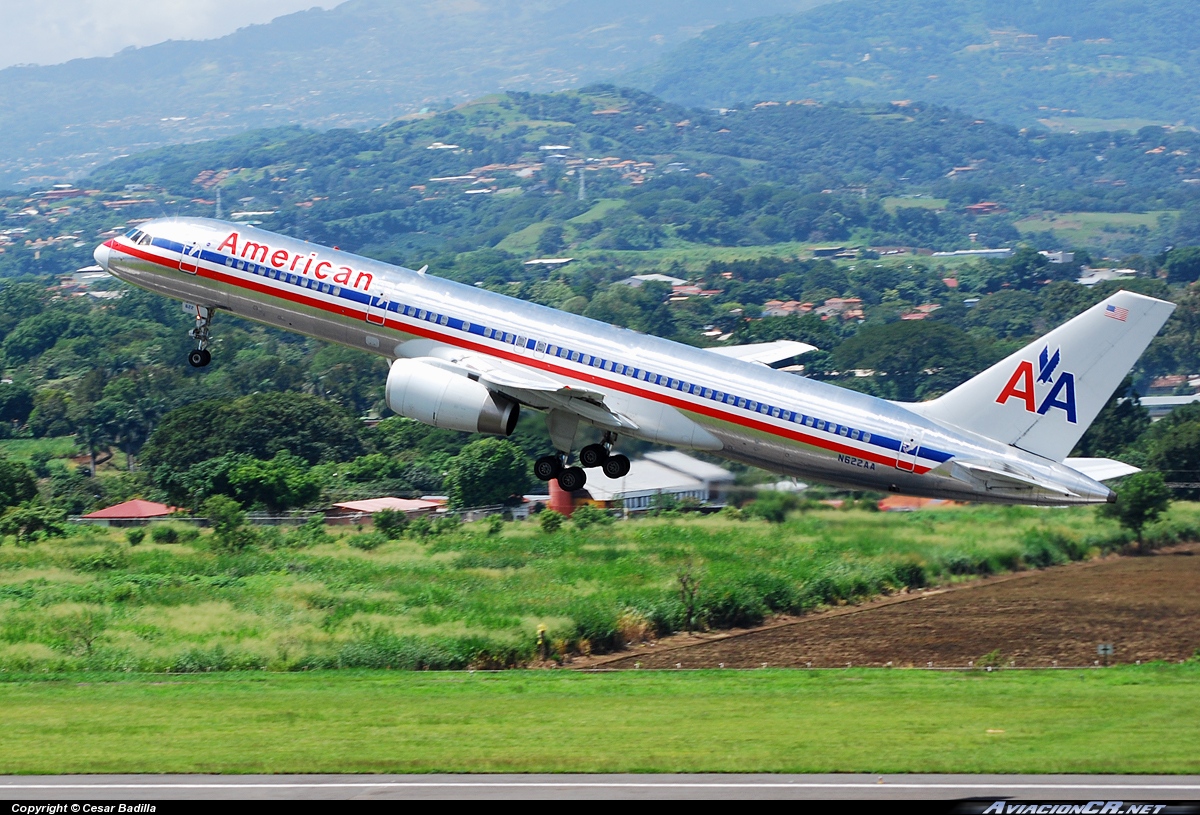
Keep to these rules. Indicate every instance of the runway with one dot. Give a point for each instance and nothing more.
(558, 787)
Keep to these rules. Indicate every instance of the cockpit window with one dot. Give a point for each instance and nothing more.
(138, 237)
(144, 239)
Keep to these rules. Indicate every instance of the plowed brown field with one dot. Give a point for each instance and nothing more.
(1148, 608)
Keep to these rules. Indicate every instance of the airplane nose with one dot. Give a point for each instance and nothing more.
(101, 255)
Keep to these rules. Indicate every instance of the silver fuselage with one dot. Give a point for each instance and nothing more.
(745, 411)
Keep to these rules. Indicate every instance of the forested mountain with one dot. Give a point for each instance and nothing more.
(360, 64)
(1025, 62)
(734, 204)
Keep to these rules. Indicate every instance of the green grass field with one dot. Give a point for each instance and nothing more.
(1091, 228)
(466, 597)
(1116, 720)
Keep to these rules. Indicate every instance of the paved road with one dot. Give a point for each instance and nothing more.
(558, 787)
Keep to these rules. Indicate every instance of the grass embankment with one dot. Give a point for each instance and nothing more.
(467, 597)
(1116, 720)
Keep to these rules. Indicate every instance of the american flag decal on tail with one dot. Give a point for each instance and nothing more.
(1116, 312)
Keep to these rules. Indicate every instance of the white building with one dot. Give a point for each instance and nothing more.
(667, 472)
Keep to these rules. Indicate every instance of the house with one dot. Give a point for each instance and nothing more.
(638, 280)
(353, 512)
(137, 512)
(985, 208)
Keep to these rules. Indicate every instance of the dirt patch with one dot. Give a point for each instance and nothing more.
(1148, 608)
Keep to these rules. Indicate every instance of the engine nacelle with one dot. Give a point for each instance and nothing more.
(443, 399)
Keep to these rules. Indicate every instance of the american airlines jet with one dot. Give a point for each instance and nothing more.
(467, 359)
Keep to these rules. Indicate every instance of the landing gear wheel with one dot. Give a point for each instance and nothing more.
(616, 466)
(572, 478)
(547, 467)
(594, 455)
(199, 358)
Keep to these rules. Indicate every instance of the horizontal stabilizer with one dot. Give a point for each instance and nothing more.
(1001, 478)
(765, 353)
(1101, 469)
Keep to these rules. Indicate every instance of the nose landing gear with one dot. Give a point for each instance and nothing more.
(202, 334)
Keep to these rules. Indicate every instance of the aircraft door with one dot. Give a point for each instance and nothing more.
(189, 261)
(377, 307)
(906, 459)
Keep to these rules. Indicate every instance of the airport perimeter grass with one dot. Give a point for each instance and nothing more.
(1117, 720)
(468, 598)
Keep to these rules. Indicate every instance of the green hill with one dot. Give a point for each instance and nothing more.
(360, 64)
(1127, 63)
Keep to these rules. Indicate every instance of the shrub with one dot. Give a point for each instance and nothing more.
(550, 521)
(390, 523)
(493, 524)
(367, 541)
(420, 527)
(446, 524)
(161, 533)
(589, 515)
(135, 536)
(773, 506)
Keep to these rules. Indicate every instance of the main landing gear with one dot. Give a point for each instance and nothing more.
(594, 455)
(202, 334)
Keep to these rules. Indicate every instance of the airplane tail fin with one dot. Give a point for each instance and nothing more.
(1042, 398)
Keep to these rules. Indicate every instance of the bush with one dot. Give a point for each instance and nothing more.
(589, 515)
(390, 523)
(161, 533)
(493, 524)
(773, 506)
(446, 524)
(367, 541)
(420, 527)
(135, 536)
(550, 521)
(32, 522)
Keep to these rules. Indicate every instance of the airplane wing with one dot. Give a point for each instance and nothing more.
(1101, 469)
(533, 389)
(764, 353)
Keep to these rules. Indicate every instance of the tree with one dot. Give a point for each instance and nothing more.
(1183, 264)
(16, 403)
(1119, 424)
(281, 483)
(17, 484)
(1141, 499)
(1175, 452)
(228, 523)
(488, 471)
(259, 425)
(913, 359)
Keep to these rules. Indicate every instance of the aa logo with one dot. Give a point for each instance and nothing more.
(1056, 392)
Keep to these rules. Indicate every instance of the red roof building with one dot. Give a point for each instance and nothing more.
(130, 513)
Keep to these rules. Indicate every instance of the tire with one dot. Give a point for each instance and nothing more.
(616, 466)
(572, 478)
(594, 455)
(199, 358)
(547, 467)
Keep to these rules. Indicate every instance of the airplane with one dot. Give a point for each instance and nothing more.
(467, 359)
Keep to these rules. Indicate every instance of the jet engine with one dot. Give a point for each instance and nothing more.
(447, 400)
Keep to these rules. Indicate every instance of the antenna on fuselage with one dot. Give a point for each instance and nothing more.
(423, 269)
